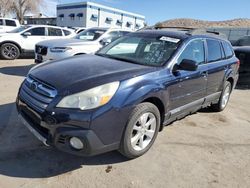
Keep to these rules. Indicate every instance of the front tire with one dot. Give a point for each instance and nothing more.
(141, 131)
(9, 51)
(224, 98)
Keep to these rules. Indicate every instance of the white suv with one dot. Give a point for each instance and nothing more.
(7, 24)
(24, 38)
(86, 42)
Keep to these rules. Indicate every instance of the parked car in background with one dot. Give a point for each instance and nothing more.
(7, 24)
(242, 51)
(23, 39)
(244, 41)
(86, 42)
(119, 98)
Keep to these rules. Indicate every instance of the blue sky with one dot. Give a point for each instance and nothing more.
(161, 10)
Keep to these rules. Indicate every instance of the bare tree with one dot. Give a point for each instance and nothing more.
(22, 7)
(4, 7)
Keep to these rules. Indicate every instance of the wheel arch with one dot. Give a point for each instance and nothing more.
(159, 104)
(12, 42)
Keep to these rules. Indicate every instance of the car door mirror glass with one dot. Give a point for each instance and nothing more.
(26, 34)
(187, 65)
(105, 42)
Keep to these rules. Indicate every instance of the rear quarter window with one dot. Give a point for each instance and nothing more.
(214, 50)
(1, 21)
(10, 23)
(66, 32)
(228, 49)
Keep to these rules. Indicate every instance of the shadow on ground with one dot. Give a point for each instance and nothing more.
(16, 70)
(22, 156)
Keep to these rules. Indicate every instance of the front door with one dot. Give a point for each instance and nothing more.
(188, 88)
(37, 35)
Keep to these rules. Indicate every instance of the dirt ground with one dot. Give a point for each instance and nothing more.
(204, 150)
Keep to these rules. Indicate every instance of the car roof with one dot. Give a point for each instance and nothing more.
(8, 19)
(33, 25)
(181, 34)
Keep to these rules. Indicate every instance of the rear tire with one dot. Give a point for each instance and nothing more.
(224, 98)
(141, 131)
(9, 51)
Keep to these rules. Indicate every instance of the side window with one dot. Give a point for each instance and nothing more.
(39, 31)
(54, 32)
(194, 51)
(1, 21)
(214, 50)
(113, 35)
(66, 32)
(10, 23)
(228, 50)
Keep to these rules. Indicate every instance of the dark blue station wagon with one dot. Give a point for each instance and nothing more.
(121, 97)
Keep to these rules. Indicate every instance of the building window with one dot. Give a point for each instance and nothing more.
(94, 17)
(119, 22)
(129, 24)
(72, 16)
(109, 20)
(137, 26)
(80, 15)
(61, 16)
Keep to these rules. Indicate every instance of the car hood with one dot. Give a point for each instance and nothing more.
(83, 72)
(65, 43)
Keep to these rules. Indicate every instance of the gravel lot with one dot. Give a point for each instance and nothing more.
(203, 150)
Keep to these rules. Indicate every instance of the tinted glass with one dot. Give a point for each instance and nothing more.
(113, 35)
(1, 22)
(20, 29)
(39, 31)
(228, 50)
(54, 32)
(245, 41)
(66, 32)
(90, 34)
(10, 23)
(214, 50)
(145, 50)
(194, 51)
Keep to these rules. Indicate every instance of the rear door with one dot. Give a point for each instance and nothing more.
(189, 87)
(217, 66)
(53, 33)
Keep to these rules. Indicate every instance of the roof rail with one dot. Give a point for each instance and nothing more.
(174, 28)
(206, 32)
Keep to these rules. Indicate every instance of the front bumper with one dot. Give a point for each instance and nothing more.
(58, 135)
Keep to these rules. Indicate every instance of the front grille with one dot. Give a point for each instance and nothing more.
(37, 94)
(42, 50)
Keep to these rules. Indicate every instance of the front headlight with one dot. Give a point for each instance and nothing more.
(91, 98)
(60, 49)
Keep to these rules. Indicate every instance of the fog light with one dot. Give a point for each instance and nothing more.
(76, 143)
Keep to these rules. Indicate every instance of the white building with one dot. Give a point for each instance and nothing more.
(88, 14)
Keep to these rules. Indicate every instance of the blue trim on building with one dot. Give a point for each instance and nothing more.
(97, 8)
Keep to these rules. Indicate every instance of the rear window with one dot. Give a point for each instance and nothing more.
(54, 32)
(228, 50)
(214, 50)
(10, 23)
(1, 21)
(66, 32)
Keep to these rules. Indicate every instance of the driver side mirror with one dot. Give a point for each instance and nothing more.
(26, 34)
(105, 42)
(187, 65)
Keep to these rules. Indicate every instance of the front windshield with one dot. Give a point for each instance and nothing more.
(20, 29)
(90, 34)
(144, 50)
